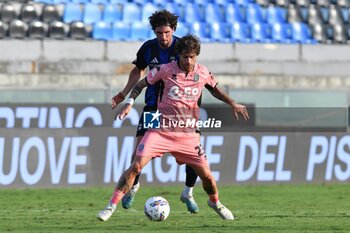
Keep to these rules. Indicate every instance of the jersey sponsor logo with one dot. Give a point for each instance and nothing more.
(189, 93)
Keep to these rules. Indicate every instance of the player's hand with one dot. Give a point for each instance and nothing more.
(117, 99)
(240, 109)
(123, 112)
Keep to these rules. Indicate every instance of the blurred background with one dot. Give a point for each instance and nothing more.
(288, 59)
(269, 53)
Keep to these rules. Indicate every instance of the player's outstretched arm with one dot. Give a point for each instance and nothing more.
(136, 91)
(134, 77)
(223, 96)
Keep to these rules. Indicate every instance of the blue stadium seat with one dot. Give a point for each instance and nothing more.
(159, 2)
(100, 1)
(79, 1)
(281, 33)
(345, 14)
(72, 12)
(192, 13)
(60, 1)
(201, 30)
(44, 1)
(176, 9)
(112, 13)
(139, 2)
(304, 13)
(276, 15)
(181, 30)
(147, 10)
(221, 2)
(117, 1)
(244, 2)
(302, 34)
(92, 13)
(233, 13)
(213, 13)
(220, 32)
(260, 33)
(121, 31)
(201, 2)
(131, 12)
(324, 13)
(255, 14)
(102, 31)
(140, 31)
(240, 32)
(180, 2)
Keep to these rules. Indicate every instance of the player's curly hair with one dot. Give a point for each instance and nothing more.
(163, 18)
(188, 44)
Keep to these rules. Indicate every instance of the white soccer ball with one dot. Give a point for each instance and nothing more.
(157, 208)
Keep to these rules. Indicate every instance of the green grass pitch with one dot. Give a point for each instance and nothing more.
(263, 208)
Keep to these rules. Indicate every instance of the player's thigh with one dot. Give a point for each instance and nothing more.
(154, 144)
(189, 151)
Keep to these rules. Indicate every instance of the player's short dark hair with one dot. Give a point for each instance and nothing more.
(188, 44)
(163, 18)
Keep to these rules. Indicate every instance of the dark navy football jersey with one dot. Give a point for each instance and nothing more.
(152, 55)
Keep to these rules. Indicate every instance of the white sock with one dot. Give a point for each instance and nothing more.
(188, 191)
(136, 186)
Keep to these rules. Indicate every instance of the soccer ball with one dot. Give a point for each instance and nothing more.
(157, 209)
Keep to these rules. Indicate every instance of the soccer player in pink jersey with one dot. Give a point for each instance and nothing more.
(183, 81)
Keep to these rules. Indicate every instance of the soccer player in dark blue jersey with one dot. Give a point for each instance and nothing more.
(152, 53)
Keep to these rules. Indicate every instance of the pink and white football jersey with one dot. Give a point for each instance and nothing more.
(181, 91)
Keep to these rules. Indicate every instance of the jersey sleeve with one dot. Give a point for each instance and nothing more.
(211, 80)
(155, 74)
(140, 61)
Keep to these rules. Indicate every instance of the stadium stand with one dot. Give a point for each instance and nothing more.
(131, 12)
(91, 13)
(58, 30)
(18, 29)
(255, 21)
(38, 29)
(112, 13)
(78, 30)
(102, 31)
(50, 13)
(72, 12)
(28, 13)
(121, 31)
(8, 12)
(3, 29)
(140, 31)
